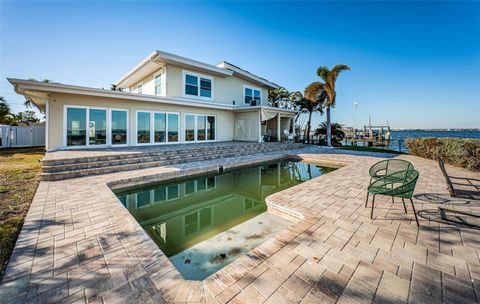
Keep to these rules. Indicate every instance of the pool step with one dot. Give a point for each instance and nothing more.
(63, 168)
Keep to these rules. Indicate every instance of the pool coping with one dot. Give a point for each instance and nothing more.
(273, 208)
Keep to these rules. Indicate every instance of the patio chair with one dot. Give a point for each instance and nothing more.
(398, 184)
(385, 168)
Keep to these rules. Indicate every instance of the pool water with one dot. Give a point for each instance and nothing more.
(204, 223)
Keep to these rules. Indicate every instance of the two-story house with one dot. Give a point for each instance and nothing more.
(165, 99)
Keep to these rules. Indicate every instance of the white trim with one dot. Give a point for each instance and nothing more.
(108, 126)
(253, 96)
(195, 127)
(28, 85)
(47, 118)
(212, 80)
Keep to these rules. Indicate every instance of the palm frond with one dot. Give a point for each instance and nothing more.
(323, 73)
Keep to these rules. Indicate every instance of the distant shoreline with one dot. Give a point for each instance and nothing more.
(446, 129)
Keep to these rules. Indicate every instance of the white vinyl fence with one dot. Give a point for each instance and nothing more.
(12, 137)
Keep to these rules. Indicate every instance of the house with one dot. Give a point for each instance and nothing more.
(165, 99)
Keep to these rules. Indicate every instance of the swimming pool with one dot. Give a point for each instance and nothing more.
(204, 223)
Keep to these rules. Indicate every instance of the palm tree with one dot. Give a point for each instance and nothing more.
(313, 100)
(337, 134)
(5, 116)
(330, 77)
(275, 96)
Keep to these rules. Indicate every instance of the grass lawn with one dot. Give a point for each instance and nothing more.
(19, 178)
(369, 149)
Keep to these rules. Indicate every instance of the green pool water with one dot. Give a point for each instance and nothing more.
(204, 223)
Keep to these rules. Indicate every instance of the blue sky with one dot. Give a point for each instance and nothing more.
(415, 64)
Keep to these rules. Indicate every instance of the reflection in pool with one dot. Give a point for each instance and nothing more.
(204, 223)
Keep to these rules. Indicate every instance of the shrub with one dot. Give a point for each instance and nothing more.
(461, 152)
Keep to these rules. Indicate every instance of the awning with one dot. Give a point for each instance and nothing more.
(267, 114)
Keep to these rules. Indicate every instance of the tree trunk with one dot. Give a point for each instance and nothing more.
(329, 128)
(308, 127)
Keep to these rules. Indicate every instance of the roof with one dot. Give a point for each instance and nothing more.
(151, 63)
(246, 74)
(38, 93)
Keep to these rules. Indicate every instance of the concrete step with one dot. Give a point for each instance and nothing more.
(59, 169)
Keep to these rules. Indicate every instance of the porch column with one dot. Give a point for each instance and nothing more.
(260, 126)
(278, 127)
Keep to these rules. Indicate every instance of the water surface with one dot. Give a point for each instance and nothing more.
(205, 223)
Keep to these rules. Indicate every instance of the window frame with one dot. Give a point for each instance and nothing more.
(199, 76)
(152, 128)
(253, 94)
(139, 85)
(108, 126)
(163, 82)
(195, 127)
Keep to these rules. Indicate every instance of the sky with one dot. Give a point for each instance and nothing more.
(414, 64)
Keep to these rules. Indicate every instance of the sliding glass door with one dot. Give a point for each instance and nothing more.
(90, 126)
(157, 127)
(199, 127)
(119, 120)
(97, 127)
(76, 127)
(143, 127)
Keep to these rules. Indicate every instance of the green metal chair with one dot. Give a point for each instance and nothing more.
(385, 168)
(398, 184)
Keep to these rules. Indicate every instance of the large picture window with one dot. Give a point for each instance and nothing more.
(198, 85)
(90, 126)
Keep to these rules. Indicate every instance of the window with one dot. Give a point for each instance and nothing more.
(197, 85)
(97, 127)
(201, 127)
(76, 127)
(143, 127)
(210, 127)
(252, 96)
(189, 127)
(173, 127)
(157, 127)
(119, 127)
(160, 126)
(89, 126)
(158, 84)
(205, 87)
(191, 85)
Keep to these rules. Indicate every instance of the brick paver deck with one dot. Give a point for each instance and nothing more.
(79, 244)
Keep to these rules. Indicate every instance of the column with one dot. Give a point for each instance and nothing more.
(278, 127)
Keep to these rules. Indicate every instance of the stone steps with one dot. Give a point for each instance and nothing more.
(58, 169)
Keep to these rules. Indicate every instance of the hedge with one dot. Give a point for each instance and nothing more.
(462, 152)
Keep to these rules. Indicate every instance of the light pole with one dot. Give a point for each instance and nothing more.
(355, 105)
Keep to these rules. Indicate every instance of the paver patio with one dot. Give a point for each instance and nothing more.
(79, 244)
